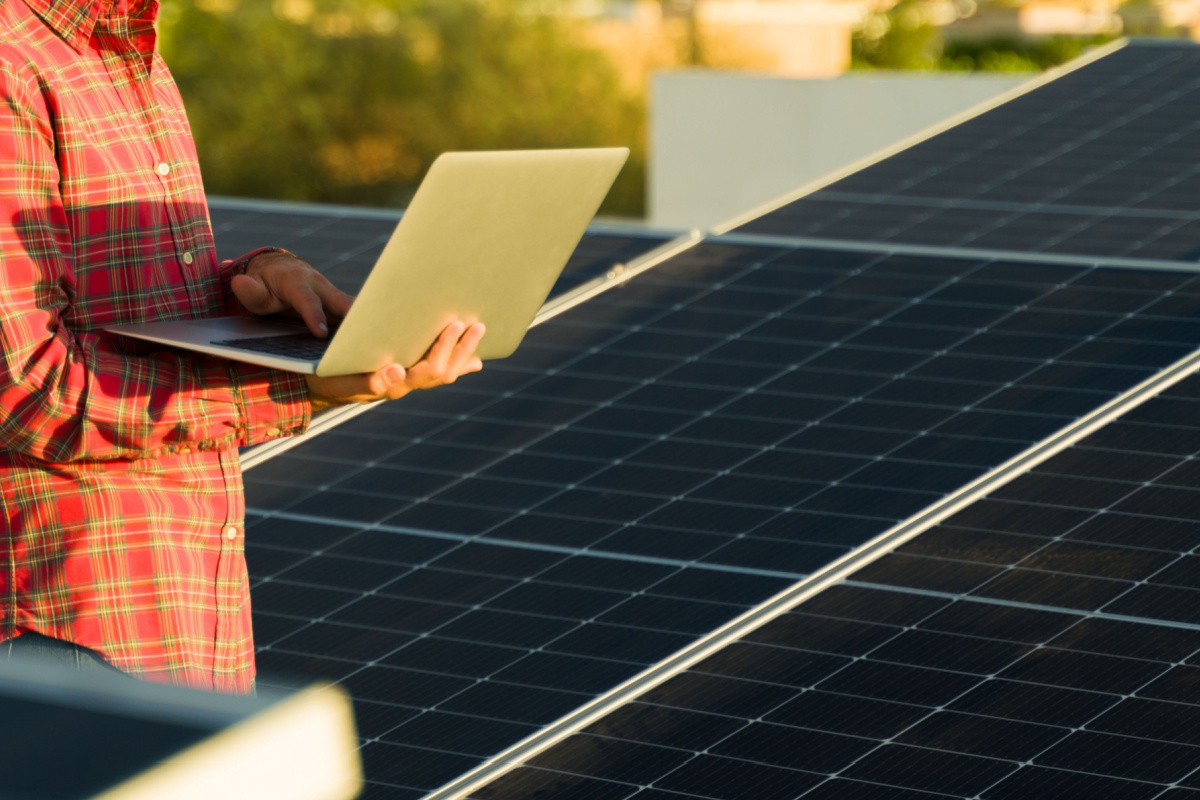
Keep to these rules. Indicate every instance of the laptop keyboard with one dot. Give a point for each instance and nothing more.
(294, 345)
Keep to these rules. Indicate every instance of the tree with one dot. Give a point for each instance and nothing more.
(349, 101)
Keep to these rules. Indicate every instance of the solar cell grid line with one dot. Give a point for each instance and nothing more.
(939, 251)
(1099, 161)
(454, 649)
(522, 495)
(877, 693)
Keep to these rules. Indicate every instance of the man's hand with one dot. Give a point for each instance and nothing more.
(451, 356)
(277, 282)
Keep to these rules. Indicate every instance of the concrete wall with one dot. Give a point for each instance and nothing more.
(725, 143)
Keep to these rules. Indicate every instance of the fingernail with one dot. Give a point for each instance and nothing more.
(323, 328)
(394, 374)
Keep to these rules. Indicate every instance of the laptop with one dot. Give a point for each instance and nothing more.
(484, 240)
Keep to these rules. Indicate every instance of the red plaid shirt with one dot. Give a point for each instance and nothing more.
(121, 497)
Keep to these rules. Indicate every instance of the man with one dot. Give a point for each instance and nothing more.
(121, 504)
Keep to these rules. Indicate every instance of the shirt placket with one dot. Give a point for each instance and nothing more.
(229, 668)
(137, 65)
(230, 588)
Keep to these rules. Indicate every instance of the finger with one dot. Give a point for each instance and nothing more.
(307, 304)
(390, 377)
(465, 349)
(439, 354)
(254, 295)
(335, 301)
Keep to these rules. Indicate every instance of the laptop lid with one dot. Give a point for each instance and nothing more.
(484, 239)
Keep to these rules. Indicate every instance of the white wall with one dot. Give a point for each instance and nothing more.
(725, 143)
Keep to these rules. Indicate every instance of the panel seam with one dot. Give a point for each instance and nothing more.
(469, 538)
(939, 251)
(997, 601)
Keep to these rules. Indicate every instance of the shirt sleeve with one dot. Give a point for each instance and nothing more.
(72, 395)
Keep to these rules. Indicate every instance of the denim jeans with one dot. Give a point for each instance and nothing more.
(54, 651)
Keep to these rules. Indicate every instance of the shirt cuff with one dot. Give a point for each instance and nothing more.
(273, 403)
(226, 271)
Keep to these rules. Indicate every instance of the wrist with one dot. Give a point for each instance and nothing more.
(318, 399)
(241, 265)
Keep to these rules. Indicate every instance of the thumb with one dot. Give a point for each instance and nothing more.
(254, 295)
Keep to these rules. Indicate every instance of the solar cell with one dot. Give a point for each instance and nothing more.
(1100, 161)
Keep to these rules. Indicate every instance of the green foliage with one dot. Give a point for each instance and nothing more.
(901, 38)
(906, 37)
(1016, 55)
(349, 101)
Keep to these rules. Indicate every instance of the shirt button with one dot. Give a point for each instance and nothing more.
(188, 258)
(273, 431)
(231, 532)
(164, 169)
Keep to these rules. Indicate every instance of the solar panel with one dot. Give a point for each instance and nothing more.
(668, 420)
(1043, 642)
(1100, 161)
(892, 695)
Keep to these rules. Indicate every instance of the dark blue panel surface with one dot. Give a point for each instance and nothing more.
(475, 562)
(1041, 643)
(665, 420)
(872, 693)
(1100, 161)
(455, 650)
(1109, 525)
(754, 410)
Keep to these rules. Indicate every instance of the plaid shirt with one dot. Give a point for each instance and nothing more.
(120, 491)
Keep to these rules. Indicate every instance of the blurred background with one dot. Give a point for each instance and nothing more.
(349, 101)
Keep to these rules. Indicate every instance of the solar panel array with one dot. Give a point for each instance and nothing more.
(1099, 162)
(1044, 642)
(466, 464)
(478, 561)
